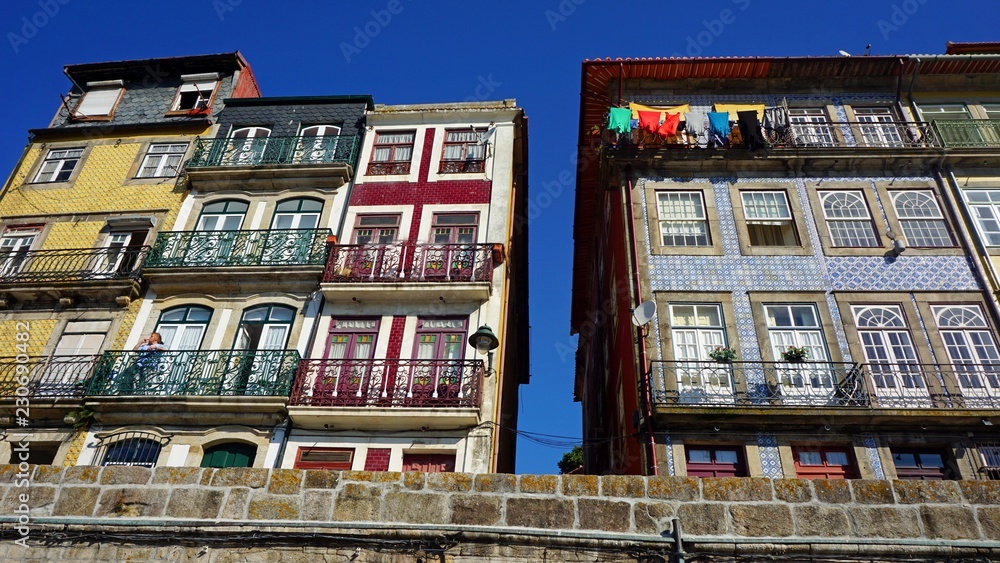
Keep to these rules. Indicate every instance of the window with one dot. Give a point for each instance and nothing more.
(464, 151)
(297, 214)
(317, 143)
(14, 248)
(696, 329)
(972, 351)
(985, 206)
(682, 219)
(247, 146)
(136, 449)
(878, 127)
(120, 255)
(183, 328)
(824, 463)
(391, 153)
(769, 219)
(340, 459)
(948, 123)
(230, 454)
(429, 463)
(921, 218)
(451, 254)
(195, 94)
(922, 464)
(82, 338)
(264, 328)
(891, 356)
(454, 228)
(795, 325)
(440, 344)
(40, 453)
(992, 111)
(100, 100)
(222, 216)
(715, 461)
(848, 220)
(989, 456)
(810, 127)
(162, 160)
(376, 229)
(951, 112)
(346, 376)
(58, 165)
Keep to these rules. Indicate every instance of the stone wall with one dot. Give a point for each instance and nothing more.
(187, 513)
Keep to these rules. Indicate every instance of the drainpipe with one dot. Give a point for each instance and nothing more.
(652, 465)
(959, 209)
(284, 442)
(909, 91)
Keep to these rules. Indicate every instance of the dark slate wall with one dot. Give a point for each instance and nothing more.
(146, 100)
(286, 119)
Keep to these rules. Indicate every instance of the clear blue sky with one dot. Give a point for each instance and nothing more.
(454, 51)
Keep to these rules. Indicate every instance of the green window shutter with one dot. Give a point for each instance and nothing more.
(229, 455)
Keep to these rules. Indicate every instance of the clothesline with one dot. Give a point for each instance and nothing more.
(747, 124)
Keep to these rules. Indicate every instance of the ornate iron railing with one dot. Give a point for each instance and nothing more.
(462, 166)
(264, 151)
(45, 376)
(408, 262)
(387, 168)
(239, 248)
(899, 385)
(264, 373)
(388, 383)
(757, 383)
(74, 264)
(968, 132)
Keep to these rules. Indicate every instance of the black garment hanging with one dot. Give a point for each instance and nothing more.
(753, 139)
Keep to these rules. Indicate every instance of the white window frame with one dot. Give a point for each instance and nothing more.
(835, 240)
(811, 127)
(62, 159)
(100, 100)
(985, 206)
(683, 222)
(158, 157)
(879, 127)
(774, 205)
(972, 351)
(200, 83)
(911, 222)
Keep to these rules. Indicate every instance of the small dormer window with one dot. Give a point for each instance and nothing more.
(195, 94)
(99, 101)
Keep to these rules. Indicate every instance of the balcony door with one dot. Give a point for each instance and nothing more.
(953, 124)
(14, 247)
(216, 238)
(878, 127)
(258, 351)
(120, 254)
(972, 352)
(811, 127)
(288, 240)
(798, 325)
(347, 374)
(318, 143)
(440, 349)
(891, 356)
(247, 146)
(452, 254)
(696, 330)
(183, 330)
(375, 254)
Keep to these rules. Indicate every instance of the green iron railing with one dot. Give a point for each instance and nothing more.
(300, 247)
(968, 133)
(72, 265)
(261, 373)
(263, 151)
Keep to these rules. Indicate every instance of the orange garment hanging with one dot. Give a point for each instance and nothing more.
(649, 120)
(670, 124)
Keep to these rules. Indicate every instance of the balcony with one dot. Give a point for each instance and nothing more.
(872, 388)
(387, 393)
(216, 260)
(91, 274)
(422, 271)
(196, 386)
(47, 376)
(273, 162)
(970, 133)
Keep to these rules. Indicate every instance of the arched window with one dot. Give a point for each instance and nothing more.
(247, 145)
(318, 143)
(265, 328)
(297, 214)
(229, 454)
(138, 449)
(972, 351)
(183, 328)
(847, 219)
(226, 215)
(921, 218)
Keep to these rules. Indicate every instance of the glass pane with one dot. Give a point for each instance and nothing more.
(931, 460)
(804, 316)
(836, 458)
(904, 459)
(810, 458)
(726, 456)
(778, 316)
(700, 456)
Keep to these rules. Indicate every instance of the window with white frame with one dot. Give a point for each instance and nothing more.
(992, 111)
(696, 329)
(100, 100)
(391, 153)
(58, 165)
(14, 247)
(795, 325)
(966, 336)
(878, 127)
(985, 205)
(888, 348)
(921, 218)
(811, 127)
(376, 229)
(464, 151)
(162, 160)
(195, 93)
(989, 456)
(682, 219)
(944, 112)
(769, 219)
(848, 219)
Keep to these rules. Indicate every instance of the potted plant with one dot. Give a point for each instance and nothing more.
(795, 354)
(723, 354)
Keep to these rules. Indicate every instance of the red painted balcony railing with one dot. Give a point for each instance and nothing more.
(409, 262)
(388, 383)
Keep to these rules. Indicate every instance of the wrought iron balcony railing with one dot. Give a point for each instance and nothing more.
(45, 376)
(75, 264)
(239, 248)
(388, 383)
(898, 385)
(408, 262)
(269, 151)
(262, 373)
(968, 133)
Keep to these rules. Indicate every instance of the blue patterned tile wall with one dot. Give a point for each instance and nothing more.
(871, 448)
(770, 461)
(671, 469)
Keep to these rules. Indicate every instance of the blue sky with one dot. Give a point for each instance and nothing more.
(404, 51)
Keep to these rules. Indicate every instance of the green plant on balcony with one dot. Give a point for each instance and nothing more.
(723, 354)
(795, 354)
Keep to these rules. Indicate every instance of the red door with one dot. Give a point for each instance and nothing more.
(430, 463)
(824, 463)
(715, 461)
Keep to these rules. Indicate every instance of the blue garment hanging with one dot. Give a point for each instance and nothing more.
(718, 123)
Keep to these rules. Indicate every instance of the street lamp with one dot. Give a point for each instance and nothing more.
(484, 341)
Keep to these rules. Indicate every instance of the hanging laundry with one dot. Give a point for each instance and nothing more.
(753, 138)
(694, 124)
(649, 121)
(618, 120)
(718, 124)
(734, 109)
(775, 119)
(670, 124)
(636, 108)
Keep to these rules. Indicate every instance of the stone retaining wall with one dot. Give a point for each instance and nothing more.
(178, 509)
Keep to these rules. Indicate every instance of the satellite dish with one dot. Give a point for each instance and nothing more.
(844, 53)
(644, 313)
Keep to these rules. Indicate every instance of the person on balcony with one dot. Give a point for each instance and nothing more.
(138, 375)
